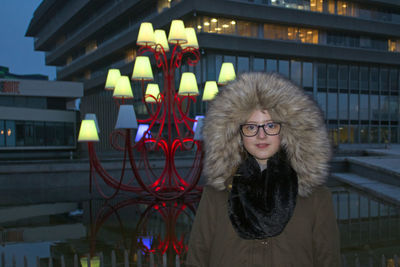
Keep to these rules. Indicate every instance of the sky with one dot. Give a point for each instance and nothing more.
(17, 51)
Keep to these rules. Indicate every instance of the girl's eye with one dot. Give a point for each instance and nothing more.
(250, 127)
(271, 125)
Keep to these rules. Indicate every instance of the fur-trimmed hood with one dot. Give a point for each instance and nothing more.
(303, 134)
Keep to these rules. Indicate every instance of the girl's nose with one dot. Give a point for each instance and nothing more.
(261, 133)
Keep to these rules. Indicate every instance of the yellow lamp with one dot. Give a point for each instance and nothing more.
(226, 74)
(152, 90)
(112, 78)
(161, 39)
(177, 33)
(142, 69)
(191, 37)
(146, 34)
(94, 261)
(210, 90)
(88, 132)
(123, 88)
(188, 85)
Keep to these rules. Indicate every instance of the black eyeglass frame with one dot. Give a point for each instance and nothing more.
(261, 126)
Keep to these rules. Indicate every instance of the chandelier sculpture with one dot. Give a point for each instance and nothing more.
(168, 127)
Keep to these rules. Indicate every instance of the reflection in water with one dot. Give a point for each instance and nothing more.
(144, 232)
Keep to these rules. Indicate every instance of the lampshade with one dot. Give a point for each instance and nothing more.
(152, 90)
(177, 33)
(142, 69)
(92, 116)
(191, 37)
(94, 261)
(210, 90)
(142, 129)
(188, 85)
(198, 128)
(88, 132)
(146, 34)
(126, 118)
(161, 39)
(227, 73)
(112, 78)
(123, 88)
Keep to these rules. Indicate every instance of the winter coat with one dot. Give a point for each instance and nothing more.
(282, 216)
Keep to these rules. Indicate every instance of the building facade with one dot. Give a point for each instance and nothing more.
(346, 54)
(38, 118)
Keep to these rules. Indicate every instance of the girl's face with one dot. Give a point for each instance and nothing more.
(261, 146)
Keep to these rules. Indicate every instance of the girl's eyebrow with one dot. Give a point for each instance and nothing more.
(256, 122)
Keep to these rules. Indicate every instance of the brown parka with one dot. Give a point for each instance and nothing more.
(311, 236)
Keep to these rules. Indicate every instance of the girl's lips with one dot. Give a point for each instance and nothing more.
(262, 145)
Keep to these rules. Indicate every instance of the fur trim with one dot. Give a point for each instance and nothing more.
(303, 134)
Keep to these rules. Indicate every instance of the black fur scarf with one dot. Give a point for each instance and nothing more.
(261, 203)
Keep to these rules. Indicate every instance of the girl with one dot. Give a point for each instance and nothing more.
(266, 160)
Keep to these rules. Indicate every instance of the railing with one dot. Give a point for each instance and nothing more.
(153, 260)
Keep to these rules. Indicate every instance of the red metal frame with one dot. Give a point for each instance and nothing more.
(170, 113)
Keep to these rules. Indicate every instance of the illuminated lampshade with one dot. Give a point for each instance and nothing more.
(142, 129)
(177, 33)
(198, 128)
(88, 132)
(191, 37)
(146, 34)
(94, 261)
(112, 78)
(210, 90)
(188, 85)
(142, 69)
(161, 39)
(126, 118)
(152, 90)
(92, 116)
(227, 73)
(123, 88)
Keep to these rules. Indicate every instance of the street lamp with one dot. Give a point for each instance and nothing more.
(168, 126)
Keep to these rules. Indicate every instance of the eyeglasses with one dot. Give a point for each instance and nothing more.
(270, 128)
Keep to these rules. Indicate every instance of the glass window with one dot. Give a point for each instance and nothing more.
(343, 76)
(394, 80)
(364, 78)
(295, 72)
(353, 107)
(394, 138)
(40, 133)
(20, 101)
(321, 74)
(353, 77)
(374, 74)
(384, 135)
(247, 28)
(321, 99)
(258, 64)
(2, 133)
(364, 107)
(353, 135)
(374, 107)
(332, 106)
(332, 76)
(214, 64)
(374, 134)
(284, 67)
(7, 101)
(364, 134)
(243, 65)
(10, 133)
(343, 106)
(271, 65)
(384, 78)
(69, 134)
(307, 74)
